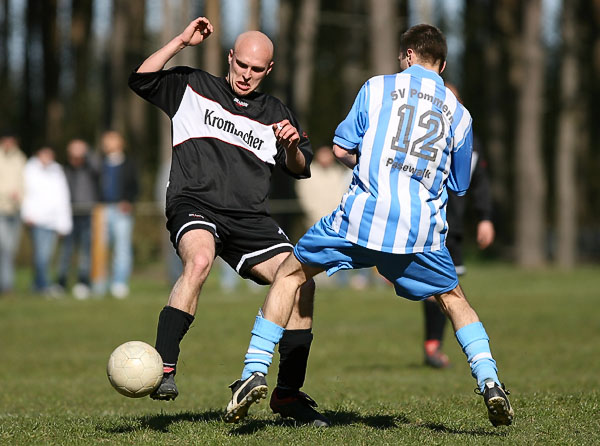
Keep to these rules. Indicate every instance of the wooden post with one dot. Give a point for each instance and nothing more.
(99, 247)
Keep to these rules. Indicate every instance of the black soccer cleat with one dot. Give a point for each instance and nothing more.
(499, 409)
(167, 390)
(244, 394)
(298, 406)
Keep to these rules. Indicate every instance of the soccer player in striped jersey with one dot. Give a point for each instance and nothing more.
(480, 199)
(408, 140)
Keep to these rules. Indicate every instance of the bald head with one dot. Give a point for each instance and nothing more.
(255, 42)
(250, 60)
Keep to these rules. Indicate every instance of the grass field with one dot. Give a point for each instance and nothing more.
(365, 368)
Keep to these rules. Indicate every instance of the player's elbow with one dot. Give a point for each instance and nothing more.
(339, 152)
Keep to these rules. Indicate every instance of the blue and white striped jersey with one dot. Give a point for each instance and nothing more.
(414, 139)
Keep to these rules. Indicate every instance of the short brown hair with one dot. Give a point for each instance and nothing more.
(427, 41)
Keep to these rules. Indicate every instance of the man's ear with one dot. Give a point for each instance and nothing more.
(410, 56)
(230, 56)
(270, 67)
(443, 67)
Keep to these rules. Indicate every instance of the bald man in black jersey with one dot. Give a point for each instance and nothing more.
(227, 138)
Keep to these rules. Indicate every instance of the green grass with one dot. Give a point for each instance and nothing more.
(365, 368)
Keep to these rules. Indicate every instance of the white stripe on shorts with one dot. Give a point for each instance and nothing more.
(205, 223)
(257, 253)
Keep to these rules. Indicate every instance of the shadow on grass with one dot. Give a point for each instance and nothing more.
(479, 432)
(338, 418)
(161, 423)
(381, 422)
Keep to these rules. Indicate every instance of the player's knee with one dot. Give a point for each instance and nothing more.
(451, 299)
(198, 266)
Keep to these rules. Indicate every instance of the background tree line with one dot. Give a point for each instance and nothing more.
(532, 92)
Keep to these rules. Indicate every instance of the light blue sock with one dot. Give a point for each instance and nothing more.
(475, 344)
(265, 335)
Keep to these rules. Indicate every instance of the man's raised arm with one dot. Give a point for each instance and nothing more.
(194, 34)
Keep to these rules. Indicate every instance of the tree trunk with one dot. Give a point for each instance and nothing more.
(304, 57)
(179, 15)
(136, 53)
(281, 70)
(4, 52)
(126, 51)
(530, 184)
(116, 54)
(384, 49)
(167, 33)
(28, 127)
(498, 107)
(212, 52)
(53, 106)
(568, 143)
(81, 26)
(253, 15)
(353, 75)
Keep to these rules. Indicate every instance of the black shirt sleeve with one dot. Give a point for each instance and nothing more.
(304, 146)
(481, 195)
(163, 88)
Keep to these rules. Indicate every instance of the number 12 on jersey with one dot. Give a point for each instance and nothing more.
(422, 147)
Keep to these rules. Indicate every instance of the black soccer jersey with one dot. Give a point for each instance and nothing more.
(224, 149)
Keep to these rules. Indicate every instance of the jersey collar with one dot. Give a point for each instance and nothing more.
(420, 71)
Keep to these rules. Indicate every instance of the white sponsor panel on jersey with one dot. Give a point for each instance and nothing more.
(200, 117)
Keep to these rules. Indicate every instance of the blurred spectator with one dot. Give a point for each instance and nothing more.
(46, 210)
(12, 163)
(322, 193)
(118, 190)
(82, 178)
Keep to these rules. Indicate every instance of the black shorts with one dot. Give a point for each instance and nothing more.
(242, 241)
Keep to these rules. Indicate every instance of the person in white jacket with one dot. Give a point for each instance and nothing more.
(46, 210)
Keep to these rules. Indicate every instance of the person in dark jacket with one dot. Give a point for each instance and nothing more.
(118, 192)
(82, 178)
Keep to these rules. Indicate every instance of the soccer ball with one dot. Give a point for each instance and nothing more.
(135, 369)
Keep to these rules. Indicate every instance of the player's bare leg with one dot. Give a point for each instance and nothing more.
(287, 399)
(197, 251)
(457, 308)
(475, 344)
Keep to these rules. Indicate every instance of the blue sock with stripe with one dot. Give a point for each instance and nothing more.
(475, 344)
(265, 335)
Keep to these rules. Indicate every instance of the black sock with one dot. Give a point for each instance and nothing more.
(435, 321)
(173, 324)
(293, 359)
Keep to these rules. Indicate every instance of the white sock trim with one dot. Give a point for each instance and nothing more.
(479, 356)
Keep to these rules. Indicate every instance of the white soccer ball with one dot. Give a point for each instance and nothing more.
(135, 369)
